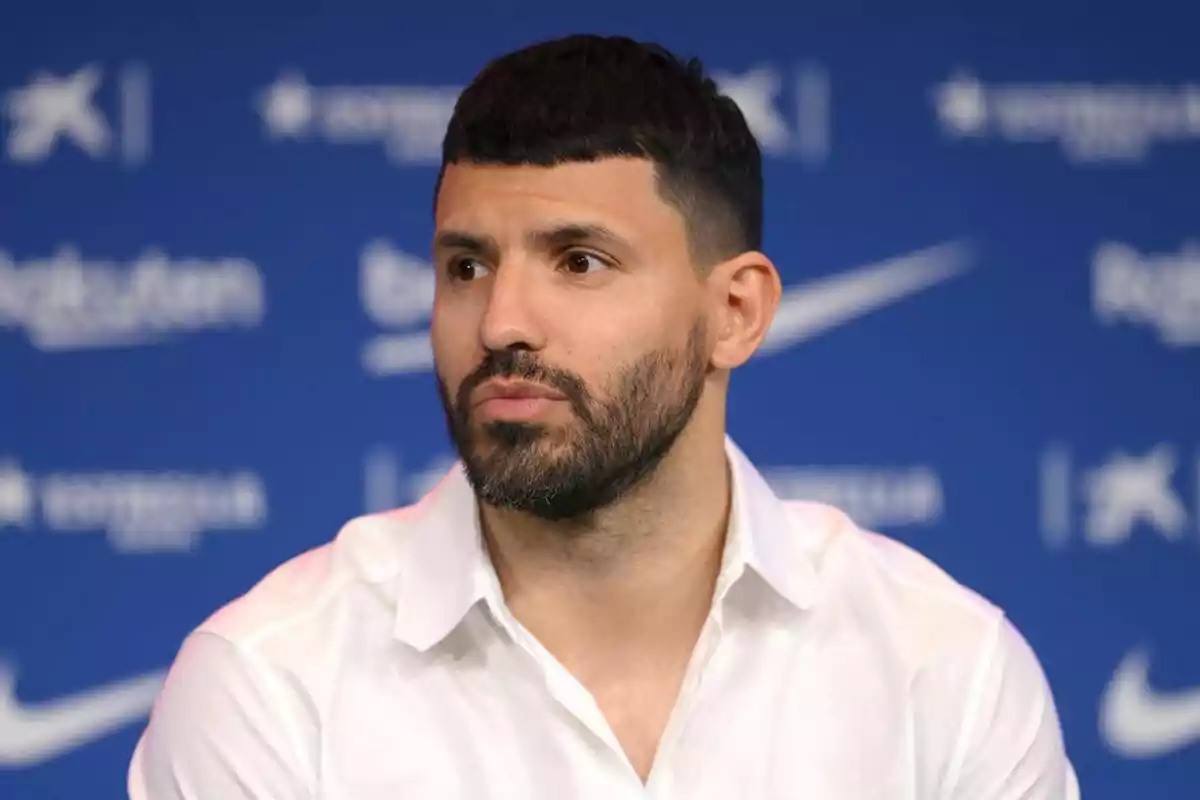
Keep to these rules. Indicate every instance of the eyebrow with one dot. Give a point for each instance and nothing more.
(457, 240)
(568, 234)
(554, 237)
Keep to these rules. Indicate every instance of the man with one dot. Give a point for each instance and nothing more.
(604, 599)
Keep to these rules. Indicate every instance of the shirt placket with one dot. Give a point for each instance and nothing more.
(663, 779)
(574, 697)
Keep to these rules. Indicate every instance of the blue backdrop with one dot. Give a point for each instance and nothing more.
(213, 293)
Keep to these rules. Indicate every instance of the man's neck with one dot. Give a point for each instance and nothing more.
(636, 579)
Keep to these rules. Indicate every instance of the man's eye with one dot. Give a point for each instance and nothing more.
(581, 263)
(466, 269)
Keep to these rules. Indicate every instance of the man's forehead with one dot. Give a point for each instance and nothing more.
(605, 169)
(618, 193)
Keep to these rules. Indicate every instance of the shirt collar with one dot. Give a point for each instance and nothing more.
(444, 569)
(443, 566)
(767, 537)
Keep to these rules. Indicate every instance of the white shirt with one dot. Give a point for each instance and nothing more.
(836, 665)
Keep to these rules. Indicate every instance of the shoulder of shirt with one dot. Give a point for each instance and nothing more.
(894, 584)
(361, 559)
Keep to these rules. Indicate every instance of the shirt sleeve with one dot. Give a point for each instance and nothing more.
(1011, 744)
(222, 727)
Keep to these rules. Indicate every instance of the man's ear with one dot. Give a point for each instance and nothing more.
(743, 296)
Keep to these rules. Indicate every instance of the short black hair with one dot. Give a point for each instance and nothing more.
(586, 97)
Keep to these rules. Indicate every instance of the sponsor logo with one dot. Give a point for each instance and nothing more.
(139, 512)
(1108, 503)
(18, 496)
(35, 733)
(388, 485)
(66, 302)
(1140, 721)
(51, 110)
(396, 291)
(1160, 291)
(810, 309)
(874, 497)
(410, 121)
(789, 112)
(1091, 123)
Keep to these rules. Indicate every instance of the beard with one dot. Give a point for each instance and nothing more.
(612, 444)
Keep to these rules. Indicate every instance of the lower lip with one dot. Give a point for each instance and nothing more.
(516, 408)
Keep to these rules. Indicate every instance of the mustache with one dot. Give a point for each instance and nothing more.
(524, 365)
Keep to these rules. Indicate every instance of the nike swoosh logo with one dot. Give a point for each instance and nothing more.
(32, 734)
(1137, 721)
(811, 309)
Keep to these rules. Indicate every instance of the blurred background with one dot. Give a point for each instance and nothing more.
(214, 294)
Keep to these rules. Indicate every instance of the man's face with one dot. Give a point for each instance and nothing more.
(568, 330)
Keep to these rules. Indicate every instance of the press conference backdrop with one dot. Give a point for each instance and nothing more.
(214, 298)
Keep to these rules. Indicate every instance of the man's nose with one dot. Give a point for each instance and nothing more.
(511, 318)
